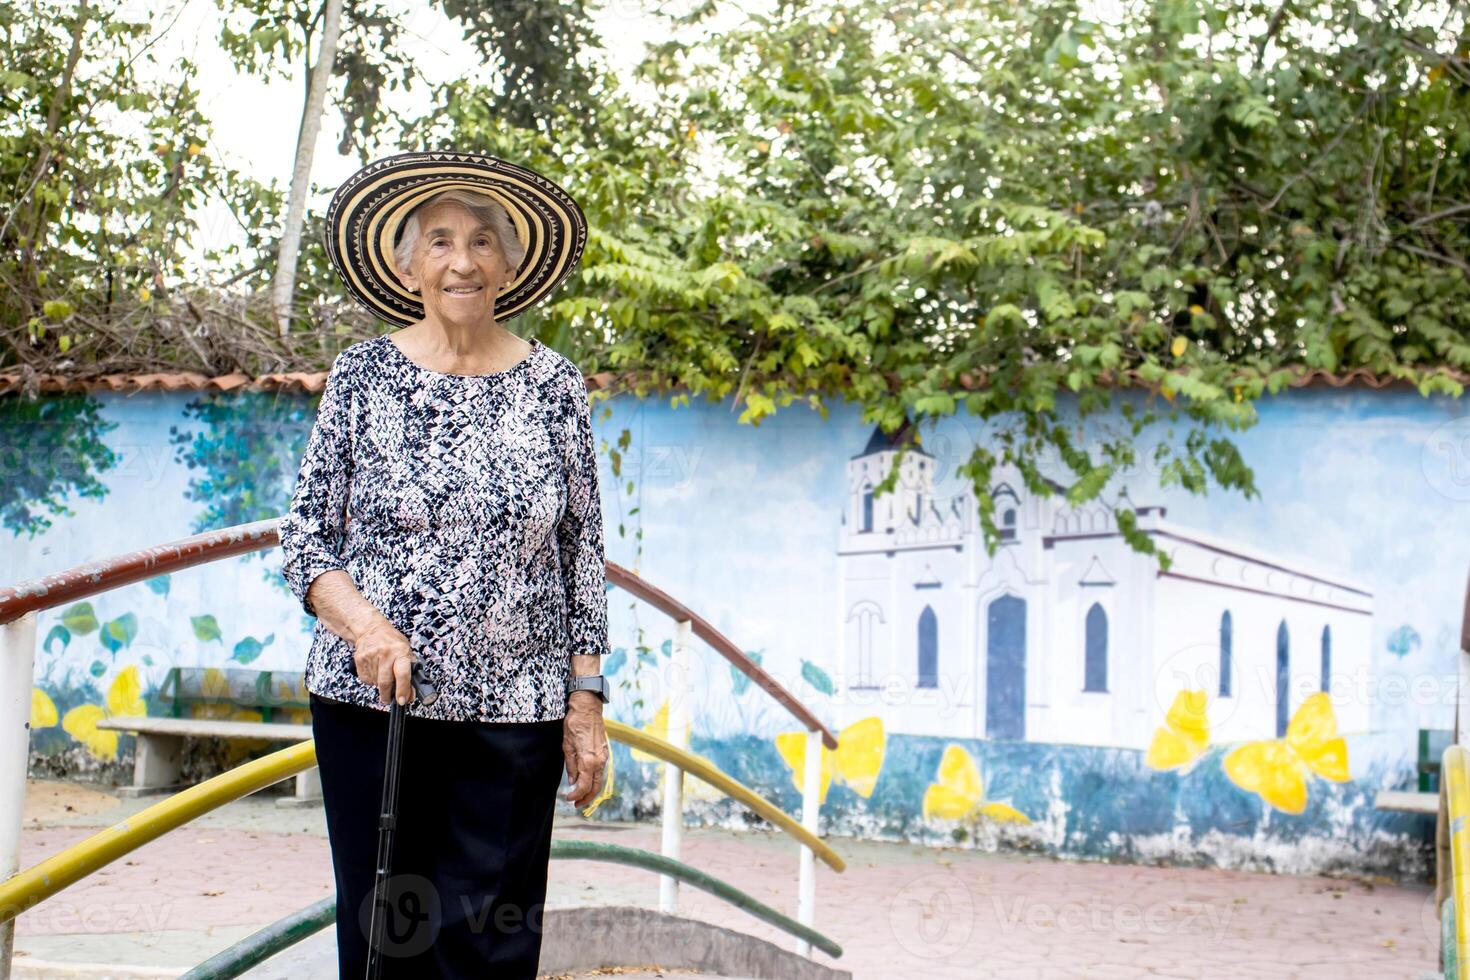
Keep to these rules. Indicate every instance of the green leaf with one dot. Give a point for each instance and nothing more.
(247, 650)
(119, 632)
(939, 403)
(817, 678)
(206, 628)
(58, 632)
(79, 618)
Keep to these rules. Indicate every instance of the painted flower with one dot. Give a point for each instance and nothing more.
(124, 698)
(43, 709)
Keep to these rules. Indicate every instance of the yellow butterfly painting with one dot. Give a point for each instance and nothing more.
(658, 727)
(124, 697)
(958, 794)
(1277, 770)
(219, 700)
(43, 709)
(1185, 735)
(856, 762)
(694, 787)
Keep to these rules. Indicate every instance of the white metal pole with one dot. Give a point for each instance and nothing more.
(17, 672)
(811, 779)
(677, 685)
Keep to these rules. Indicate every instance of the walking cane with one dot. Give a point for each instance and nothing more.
(426, 692)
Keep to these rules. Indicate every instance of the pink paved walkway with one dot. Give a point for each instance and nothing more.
(898, 911)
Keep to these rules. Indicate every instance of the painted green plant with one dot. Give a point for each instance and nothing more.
(51, 449)
(1403, 640)
(244, 449)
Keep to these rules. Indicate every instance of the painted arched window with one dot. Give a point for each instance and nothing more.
(1226, 653)
(928, 648)
(1327, 659)
(1005, 668)
(1095, 670)
(1006, 503)
(1283, 679)
(867, 524)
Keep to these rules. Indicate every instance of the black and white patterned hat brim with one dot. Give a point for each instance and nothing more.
(367, 211)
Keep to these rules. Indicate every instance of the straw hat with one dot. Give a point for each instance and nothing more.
(365, 215)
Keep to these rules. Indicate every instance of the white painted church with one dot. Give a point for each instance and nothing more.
(1067, 634)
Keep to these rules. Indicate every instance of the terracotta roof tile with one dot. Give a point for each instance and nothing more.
(12, 382)
(311, 382)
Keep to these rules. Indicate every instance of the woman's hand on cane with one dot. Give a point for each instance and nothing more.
(584, 744)
(384, 659)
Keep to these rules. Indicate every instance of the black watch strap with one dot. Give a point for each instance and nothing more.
(595, 683)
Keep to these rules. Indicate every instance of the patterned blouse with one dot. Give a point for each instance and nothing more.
(466, 509)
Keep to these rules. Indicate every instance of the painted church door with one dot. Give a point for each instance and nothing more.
(1005, 669)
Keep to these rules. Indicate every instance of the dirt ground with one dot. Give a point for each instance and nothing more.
(48, 799)
(899, 911)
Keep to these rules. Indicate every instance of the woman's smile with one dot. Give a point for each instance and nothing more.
(457, 244)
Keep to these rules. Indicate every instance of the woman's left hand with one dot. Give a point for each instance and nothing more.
(584, 744)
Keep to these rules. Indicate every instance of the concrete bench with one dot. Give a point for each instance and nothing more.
(159, 754)
(1401, 801)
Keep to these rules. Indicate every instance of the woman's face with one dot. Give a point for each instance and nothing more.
(457, 267)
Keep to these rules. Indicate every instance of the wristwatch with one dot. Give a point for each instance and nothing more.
(595, 683)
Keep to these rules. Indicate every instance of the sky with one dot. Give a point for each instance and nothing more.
(255, 120)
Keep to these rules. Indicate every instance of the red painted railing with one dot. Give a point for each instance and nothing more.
(104, 574)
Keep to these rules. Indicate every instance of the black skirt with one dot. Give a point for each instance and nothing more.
(474, 837)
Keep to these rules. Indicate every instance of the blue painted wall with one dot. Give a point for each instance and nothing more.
(742, 523)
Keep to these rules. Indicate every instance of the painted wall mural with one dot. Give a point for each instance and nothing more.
(1240, 708)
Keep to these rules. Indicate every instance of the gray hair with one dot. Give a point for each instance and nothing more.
(485, 209)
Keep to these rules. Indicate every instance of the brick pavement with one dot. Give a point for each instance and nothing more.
(899, 911)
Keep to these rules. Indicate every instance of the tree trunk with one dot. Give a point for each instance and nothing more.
(283, 287)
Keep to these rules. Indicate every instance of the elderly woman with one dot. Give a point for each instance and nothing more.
(447, 511)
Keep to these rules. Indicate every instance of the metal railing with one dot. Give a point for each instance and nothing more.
(65, 868)
(20, 603)
(687, 624)
(34, 885)
(259, 946)
(21, 892)
(1452, 831)
(1455, 792)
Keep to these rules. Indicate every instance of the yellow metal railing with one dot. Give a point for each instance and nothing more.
(702, 769)
(1455, 772)
(68, 866)
(71, 865)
